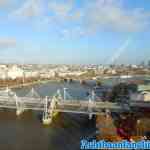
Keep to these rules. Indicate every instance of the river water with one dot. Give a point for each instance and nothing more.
(27, 132)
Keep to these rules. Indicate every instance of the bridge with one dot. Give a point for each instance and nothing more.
(59, 103)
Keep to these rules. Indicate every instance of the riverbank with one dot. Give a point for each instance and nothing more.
(12, 84)
(124, 127)
(20, 82)
(106, 128)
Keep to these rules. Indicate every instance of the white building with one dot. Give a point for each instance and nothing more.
(146, 95)
(31, 74)
(134, 66)
(49, 74)
(74, 73)
(15, 72)
(143, 96)
(136, 97)
(3, 74)
(111, 71)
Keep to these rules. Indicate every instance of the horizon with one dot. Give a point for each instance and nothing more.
(75, 64)
(74, 32)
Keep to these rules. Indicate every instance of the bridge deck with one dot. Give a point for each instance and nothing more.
(71, 106)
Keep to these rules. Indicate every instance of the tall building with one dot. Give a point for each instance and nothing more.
(142, 64)
(148, 64)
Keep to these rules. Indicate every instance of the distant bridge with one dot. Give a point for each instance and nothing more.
(59, 103)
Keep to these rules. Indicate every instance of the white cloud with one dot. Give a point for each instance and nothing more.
(29, 9)
(62, 9)
(92, 16)
(109, 14)
(4, 3)
(97, 15)
(7, 42)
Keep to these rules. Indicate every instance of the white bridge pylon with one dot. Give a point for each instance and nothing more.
(19, 106)
(11, 97)
(91, 105)
(50, 106)
(91, 101)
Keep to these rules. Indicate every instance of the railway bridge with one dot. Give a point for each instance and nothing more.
(59, 103)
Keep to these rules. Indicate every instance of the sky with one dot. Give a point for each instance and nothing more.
(74, 31)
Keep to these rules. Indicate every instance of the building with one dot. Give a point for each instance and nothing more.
(136, 97)
(15, 72)
(3, 72)
(146, 95)
(31, 74)
(48, 74)
(144, 87)
(142, 96)
(75, 73)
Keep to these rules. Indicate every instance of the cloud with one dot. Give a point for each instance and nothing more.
(92, 16)
(29, 9)
(64, 12)
(7, 42)
(4, 3)
(60, 9)
(100, 15)
(111, 15)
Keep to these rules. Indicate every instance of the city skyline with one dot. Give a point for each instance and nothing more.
(74, 31)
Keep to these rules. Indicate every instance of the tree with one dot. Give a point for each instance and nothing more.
(121, 91)
(98, 82)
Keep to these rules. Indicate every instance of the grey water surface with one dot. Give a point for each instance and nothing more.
(27, 132)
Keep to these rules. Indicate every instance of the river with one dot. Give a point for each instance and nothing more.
(27, 132)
